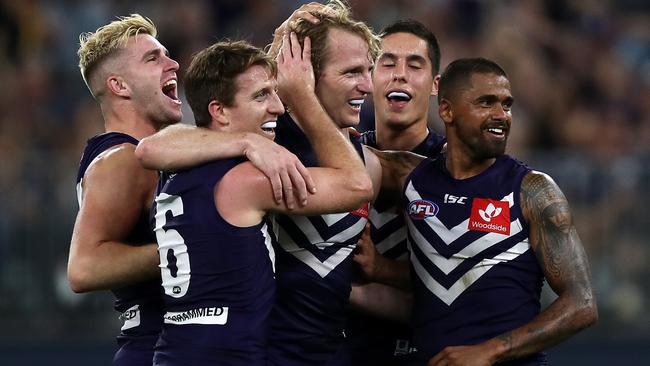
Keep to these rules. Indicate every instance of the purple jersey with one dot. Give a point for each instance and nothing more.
(474, 273)
(314, 273)
(140, 305)
(390, 342)
(217, 278)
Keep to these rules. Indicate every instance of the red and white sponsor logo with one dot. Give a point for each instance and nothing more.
(361, 211)
(490, 215)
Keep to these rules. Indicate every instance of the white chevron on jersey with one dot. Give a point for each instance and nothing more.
(305, 256)
(446, 265)
(315, 238)
(448, 236)
(449, 295)
(269, 244)
(391, 240)
(331, 219)
(379, 219)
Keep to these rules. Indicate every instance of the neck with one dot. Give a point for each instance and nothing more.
(127, 121)
(401, 139)
(461, 165)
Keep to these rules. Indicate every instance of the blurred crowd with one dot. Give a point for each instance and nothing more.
(580, 71)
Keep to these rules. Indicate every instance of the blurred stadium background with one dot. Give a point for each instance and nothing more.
(580, 71)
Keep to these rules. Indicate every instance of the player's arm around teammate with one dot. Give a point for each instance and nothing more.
(342, 181)
(290, 180)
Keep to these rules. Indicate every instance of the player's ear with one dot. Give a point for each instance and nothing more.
(445, 111)
(219, 113)
(118, 86)
(434, 87)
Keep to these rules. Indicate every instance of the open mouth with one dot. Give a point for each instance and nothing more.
(497, 131)
(398, 96)
(269, 127)
(170, 89)
(356, 103)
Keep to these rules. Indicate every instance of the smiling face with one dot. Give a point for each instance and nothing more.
(256, 104)
(345, 80)
(478, 117)
(150, 74)
(403, 81)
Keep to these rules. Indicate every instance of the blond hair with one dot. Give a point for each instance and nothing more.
(336, 14)
(95, 47)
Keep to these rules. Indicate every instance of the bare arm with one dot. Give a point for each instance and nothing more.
(334, 151)
(394, 169)
(378, 268)
(343, 182)
(296, 89)
(180, 146)
(117, 193)
(561, 256)
(382, 301)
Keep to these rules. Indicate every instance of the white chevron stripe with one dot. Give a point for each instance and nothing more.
(269, 245)
(448, 296)
(307, 228)
(322, 268)
(379, 219)
(447, 235)
(314, 237)
(392, 240)
(472, 249)
(331, 219)
(350, 232)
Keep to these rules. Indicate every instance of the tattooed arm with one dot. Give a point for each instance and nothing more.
(561, 256)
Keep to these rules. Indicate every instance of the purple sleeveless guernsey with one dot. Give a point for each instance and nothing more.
(390, 342)
(314, 273)
(140, 305)
(474, 273)
(218, 278)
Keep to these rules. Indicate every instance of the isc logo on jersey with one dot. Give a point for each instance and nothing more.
(421, 209)
(490, 215)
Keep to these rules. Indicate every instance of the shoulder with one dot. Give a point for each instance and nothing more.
(535, 182)
(245, 178)
(118, 167)
(243, 195)
(539, 192)
(117, 158)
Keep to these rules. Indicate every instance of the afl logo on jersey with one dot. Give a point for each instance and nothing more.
(421, 209)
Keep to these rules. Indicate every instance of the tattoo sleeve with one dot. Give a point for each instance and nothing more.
(562, 258)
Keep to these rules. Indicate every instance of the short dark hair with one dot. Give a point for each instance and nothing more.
(421, 31)
(458, 74)
(212, 73)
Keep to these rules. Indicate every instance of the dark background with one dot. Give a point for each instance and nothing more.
(580, 72)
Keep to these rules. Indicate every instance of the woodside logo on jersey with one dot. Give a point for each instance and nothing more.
(490, 216)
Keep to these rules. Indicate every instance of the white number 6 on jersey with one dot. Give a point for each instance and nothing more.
(174, 260)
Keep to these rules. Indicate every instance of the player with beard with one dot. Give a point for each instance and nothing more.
(484, 231)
